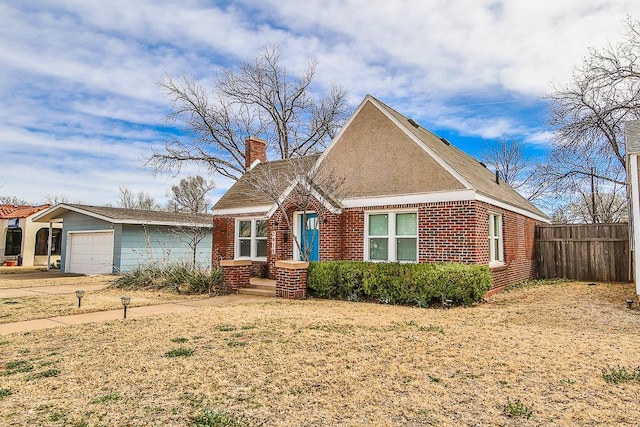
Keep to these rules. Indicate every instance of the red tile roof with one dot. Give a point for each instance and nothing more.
(13, 211)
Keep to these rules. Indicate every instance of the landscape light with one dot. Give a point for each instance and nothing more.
(629, 303)
(125, 302)
(79, 295)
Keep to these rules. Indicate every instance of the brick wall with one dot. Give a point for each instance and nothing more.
(235, 274)
(291, 279)
(223, 240)
(518, 234)
(224, 244)
(448, 232)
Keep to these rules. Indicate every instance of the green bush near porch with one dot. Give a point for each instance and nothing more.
(396, 283)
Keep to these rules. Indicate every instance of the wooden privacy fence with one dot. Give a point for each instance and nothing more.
(596, 252)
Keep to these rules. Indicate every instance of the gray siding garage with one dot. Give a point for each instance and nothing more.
(99, 240)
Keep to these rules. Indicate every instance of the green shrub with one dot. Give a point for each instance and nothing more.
(395, 283)
(4, 392)
(180, 277)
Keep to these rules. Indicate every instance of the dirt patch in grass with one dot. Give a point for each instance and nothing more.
(533, 356)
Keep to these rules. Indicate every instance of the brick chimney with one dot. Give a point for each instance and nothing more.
(254, 149)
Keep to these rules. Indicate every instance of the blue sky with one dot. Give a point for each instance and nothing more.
(80, 104)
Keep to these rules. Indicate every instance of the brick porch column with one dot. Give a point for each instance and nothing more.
(291, 279)
(235, 273)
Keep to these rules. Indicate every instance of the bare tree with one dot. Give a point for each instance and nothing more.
(260, 98)
(56, 199)
(296, 185)
(190, 195)
(141, 200)
(14, 200)
(588, 113)
(593, 205)
(515, 166)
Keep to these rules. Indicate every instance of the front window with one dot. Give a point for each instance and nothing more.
(251, 238)
(392, 236)
(496, 251)
(13, 242)
(42, 241)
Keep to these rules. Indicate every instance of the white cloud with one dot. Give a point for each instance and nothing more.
(80, 103)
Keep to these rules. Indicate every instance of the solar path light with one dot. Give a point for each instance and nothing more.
(79, 295)
(125, 302)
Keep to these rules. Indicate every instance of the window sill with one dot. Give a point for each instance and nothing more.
(497, 265)
(246, 258)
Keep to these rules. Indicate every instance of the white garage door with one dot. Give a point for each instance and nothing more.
(90, 252)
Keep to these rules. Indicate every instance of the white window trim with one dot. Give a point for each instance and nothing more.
(253, 238)
(391, 234)
(496, 260)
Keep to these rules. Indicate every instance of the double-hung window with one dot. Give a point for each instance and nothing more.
(251, 238)
(496, 250)
(392, 236)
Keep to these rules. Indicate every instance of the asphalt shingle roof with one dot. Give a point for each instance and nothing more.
(131, 216)
(244, 196)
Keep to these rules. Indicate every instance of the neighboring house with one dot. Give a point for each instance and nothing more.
(23, 241)
(632, 140)
(98, 239)
(410, 196)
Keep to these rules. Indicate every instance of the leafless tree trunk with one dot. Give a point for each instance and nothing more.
(261, 99)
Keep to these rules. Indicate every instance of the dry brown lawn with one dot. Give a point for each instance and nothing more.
(335, 363)
(51, 305)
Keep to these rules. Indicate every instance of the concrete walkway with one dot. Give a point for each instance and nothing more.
(132, 313)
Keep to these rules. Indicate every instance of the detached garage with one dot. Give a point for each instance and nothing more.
(103, 240)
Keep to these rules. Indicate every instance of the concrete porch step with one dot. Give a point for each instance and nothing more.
(259, 286)
(264, 292)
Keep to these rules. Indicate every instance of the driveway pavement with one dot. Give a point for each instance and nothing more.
(35, 275)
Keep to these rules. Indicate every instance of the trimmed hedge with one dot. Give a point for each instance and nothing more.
(395, 283)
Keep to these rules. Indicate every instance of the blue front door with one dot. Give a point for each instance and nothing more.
(309, 236)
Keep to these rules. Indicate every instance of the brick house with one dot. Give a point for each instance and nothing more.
(409, 196)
